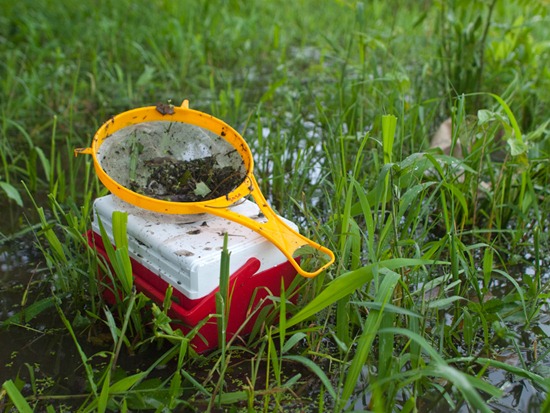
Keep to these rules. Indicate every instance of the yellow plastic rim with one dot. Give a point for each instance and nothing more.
(289, 241)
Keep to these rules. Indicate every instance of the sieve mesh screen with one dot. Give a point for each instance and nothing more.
(172, 161)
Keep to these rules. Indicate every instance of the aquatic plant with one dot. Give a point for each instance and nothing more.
(438, 298)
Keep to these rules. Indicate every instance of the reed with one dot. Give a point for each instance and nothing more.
(441, 281)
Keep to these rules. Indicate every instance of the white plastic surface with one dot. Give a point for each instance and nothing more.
(185, 250)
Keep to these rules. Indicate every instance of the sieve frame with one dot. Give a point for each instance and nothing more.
(179, 114)
(274, 229)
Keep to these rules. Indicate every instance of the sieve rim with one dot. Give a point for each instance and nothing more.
(182, 115)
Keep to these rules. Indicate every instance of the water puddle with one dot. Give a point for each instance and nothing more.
(42, 353)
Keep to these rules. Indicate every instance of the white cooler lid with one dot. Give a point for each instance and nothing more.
(185, 250)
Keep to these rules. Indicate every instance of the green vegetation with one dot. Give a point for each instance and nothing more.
(438, 299)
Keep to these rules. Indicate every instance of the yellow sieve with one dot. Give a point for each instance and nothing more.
(125, 147)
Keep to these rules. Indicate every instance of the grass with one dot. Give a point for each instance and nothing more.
(438, 299)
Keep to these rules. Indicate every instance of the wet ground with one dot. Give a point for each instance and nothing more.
(43, 354)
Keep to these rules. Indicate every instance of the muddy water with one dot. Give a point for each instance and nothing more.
(43, 352)
(20, 286)
(40, 349)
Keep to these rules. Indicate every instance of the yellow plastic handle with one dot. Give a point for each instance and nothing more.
(285, 238)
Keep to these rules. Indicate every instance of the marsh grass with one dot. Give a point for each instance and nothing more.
(441, 280)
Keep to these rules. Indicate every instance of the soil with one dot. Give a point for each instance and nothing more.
(188, 181)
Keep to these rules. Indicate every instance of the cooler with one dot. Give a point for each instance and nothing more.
(184, 251)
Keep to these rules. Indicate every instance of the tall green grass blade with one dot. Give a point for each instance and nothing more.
(16, 397)
(389, 124)
(465, 383)
(488, 257)
(104, 394)
(370, 331)
(292, 341)
(123, 385)
(175, 390)
(233, 397)
(457, 193)
(222, 297)
(119, 221)
(111, 323)
(118, 257)
(87, 366)
(316, 370)
(519, 290)
(515, 126)
(11, 192)
(411, 196)
(386, 341)
(276, 365)
(31, 311)
(195, 383)
(110, 390)
(122, 336)
(311, 140)
(368, 216)
(49, 165)
(282, 315)
(348, 283)
(388, 308)
(124, 265)
(443, 303)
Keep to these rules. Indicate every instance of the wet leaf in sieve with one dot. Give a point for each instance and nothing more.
(202, 189)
